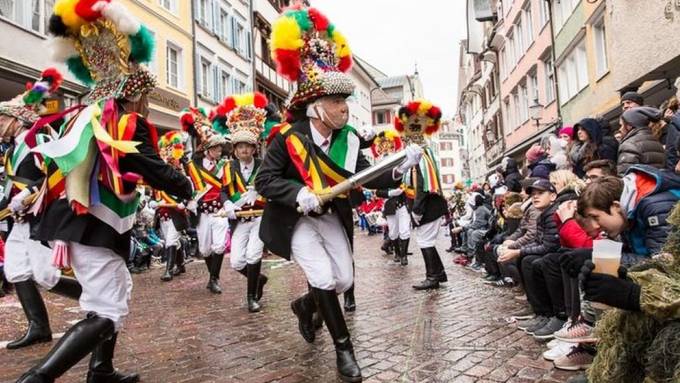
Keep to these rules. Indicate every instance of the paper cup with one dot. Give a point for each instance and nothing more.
(607, 259)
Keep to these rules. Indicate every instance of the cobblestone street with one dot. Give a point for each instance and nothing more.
(178, 332)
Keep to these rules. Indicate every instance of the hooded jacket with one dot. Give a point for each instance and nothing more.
(527, 227)
(511, 175)
(547, 234)
(542, 168)
(606, 149)
(572, 235)
(640, 146)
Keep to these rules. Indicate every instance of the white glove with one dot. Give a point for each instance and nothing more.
(395, 192)
(17, 202)
(308, 201)
(250, 197)
(153, 204)
(230, 209)
(413, 155)
(192, 206)
(366, 132)
(416, 218)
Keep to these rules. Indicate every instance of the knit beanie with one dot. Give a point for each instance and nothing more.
(633, 96)
(641, 117)
(534, 153)
(568, 130)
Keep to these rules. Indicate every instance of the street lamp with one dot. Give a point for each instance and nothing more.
(535, 112)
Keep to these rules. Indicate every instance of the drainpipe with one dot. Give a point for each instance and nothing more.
(554, 63)
(193, 54)
(253, 72)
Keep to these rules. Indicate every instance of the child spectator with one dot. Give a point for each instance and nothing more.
(477, 230)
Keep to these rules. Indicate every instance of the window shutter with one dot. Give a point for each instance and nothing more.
(216, 90)
(249, 50)
(215, 16)
(197, 15)
(234, 43)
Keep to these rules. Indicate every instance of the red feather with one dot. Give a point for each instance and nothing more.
(374, 151)
(413, 107)
(84, 9)
(288, 63)
(187, 121)
(227, 106)
(431, 129)
(398, 144)
(345, 63)
(320, 21)
(398, 125)
(260, 100)
(434, 112)
(29, 85)
(54, 77)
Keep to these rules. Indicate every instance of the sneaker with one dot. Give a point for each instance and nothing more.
(537, 325)
(491, 278)
(579, 332)
(548, 331)
(524, 314)
(504, 282)
(529, 323)
(558, 351)
(577, 359)
(554, 343)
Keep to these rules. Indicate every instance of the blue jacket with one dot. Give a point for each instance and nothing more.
(647, 217)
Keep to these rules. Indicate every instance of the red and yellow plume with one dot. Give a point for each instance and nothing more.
(418, 117)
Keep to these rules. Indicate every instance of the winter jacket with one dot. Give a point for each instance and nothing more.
(481, 217)
(672, 142)
(547, 234)
(640, 146)
(607, 147)
(527, 227)
(542, 168)
(649, 195)
(572, 235)
(512, 177)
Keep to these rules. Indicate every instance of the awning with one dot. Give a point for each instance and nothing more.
(163, 120)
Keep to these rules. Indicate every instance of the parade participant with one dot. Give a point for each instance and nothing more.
(317, 150)
(416, 122)
(206, 172)
(245, 117)
(396, 208)
(29, 262)
(172, 212)
(101, 155)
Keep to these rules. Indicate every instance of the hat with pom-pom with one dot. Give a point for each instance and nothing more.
(386, 142)
(201, 126)
(418, 120)
(242, 116)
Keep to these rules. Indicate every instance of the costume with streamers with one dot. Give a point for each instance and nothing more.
(29, 262)
(208, 177)
(245, 116)
(417, 121)
(396, 209)
(309, 50)
(95, 164)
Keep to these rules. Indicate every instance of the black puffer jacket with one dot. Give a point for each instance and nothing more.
(640, 147)
(547, 234)
(511, 176)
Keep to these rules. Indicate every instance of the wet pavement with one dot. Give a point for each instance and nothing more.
(178, 332)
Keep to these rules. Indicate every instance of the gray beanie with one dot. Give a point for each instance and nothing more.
(633, 96)
(642, 116)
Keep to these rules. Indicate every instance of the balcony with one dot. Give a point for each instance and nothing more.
(269, 74)
(494, 152)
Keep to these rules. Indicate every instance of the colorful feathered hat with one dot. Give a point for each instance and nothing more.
(244, 116)
(309, 50)
(418, 120)
(171, 147)
(26, 108)
(386, 142)
(200, 126)
(103, 45)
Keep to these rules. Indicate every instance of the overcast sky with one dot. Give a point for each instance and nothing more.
(394, 35)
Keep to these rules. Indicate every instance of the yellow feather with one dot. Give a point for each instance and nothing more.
(66, 9)
(424, 107)
(286, 34)
(248, 99)
(341, 45)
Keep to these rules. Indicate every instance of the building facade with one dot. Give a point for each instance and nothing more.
(360, 102)
(223, 50)
(449, 144)
(393, 92)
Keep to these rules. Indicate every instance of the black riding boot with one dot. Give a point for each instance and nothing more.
(38, 322)
(329, 307)
(431, 274)
(260, 282)
(79, 340)
(253, 275)
(403, 244)
(101, 365)
(68, 287)
(304, 308)
(170, 263)
(386, 246)
(179, 262)
(438, 266)
(350, 304)
(215, 267)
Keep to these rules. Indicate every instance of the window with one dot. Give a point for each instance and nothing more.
(28, 14)
(600, 48)
(524, 103)
(170, 5)
(223, 33)
(380, 118)
(516, 115)
(173, 64)
(225, 82)
(239, 86)
(504, 64)
(529, 24)
(549, 80)
(203, 12)
(205, 80)
(573, 73)
(507, 119)
(545, 15)
(519, 40)
(563, 10)
(533, 87)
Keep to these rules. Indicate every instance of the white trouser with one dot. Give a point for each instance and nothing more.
(246, 246)
(28, 259)
(427, 234)
(106, 281)
(399, 224)
(212, 234)
(170, 234)
(321, 248)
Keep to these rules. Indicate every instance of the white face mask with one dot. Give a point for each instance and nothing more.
(563, 143)
(316, 110)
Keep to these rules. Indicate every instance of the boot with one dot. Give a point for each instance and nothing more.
(260, 282)
(215, 267)
(350, 305)
(407, 253)
(208, 265)
(329, 307)
(403, 243)
(170, 263)
(397, 250)
(431, 274)
(387, 246)
(253, 275)
(68, 287)
(179, 262)
(438, 266)
(79, 340)
(317, 321)
(38, 322)
(304, 308)
(101, 365)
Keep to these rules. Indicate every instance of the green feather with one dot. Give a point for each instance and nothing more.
(330, 30)
(77, 67)
(220, 125)
(33, 97)
(142, 46)
(302, 18)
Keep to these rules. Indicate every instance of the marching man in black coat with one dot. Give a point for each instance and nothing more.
(302, 160)
(417, 121)
(28, 263)
(91, 198)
